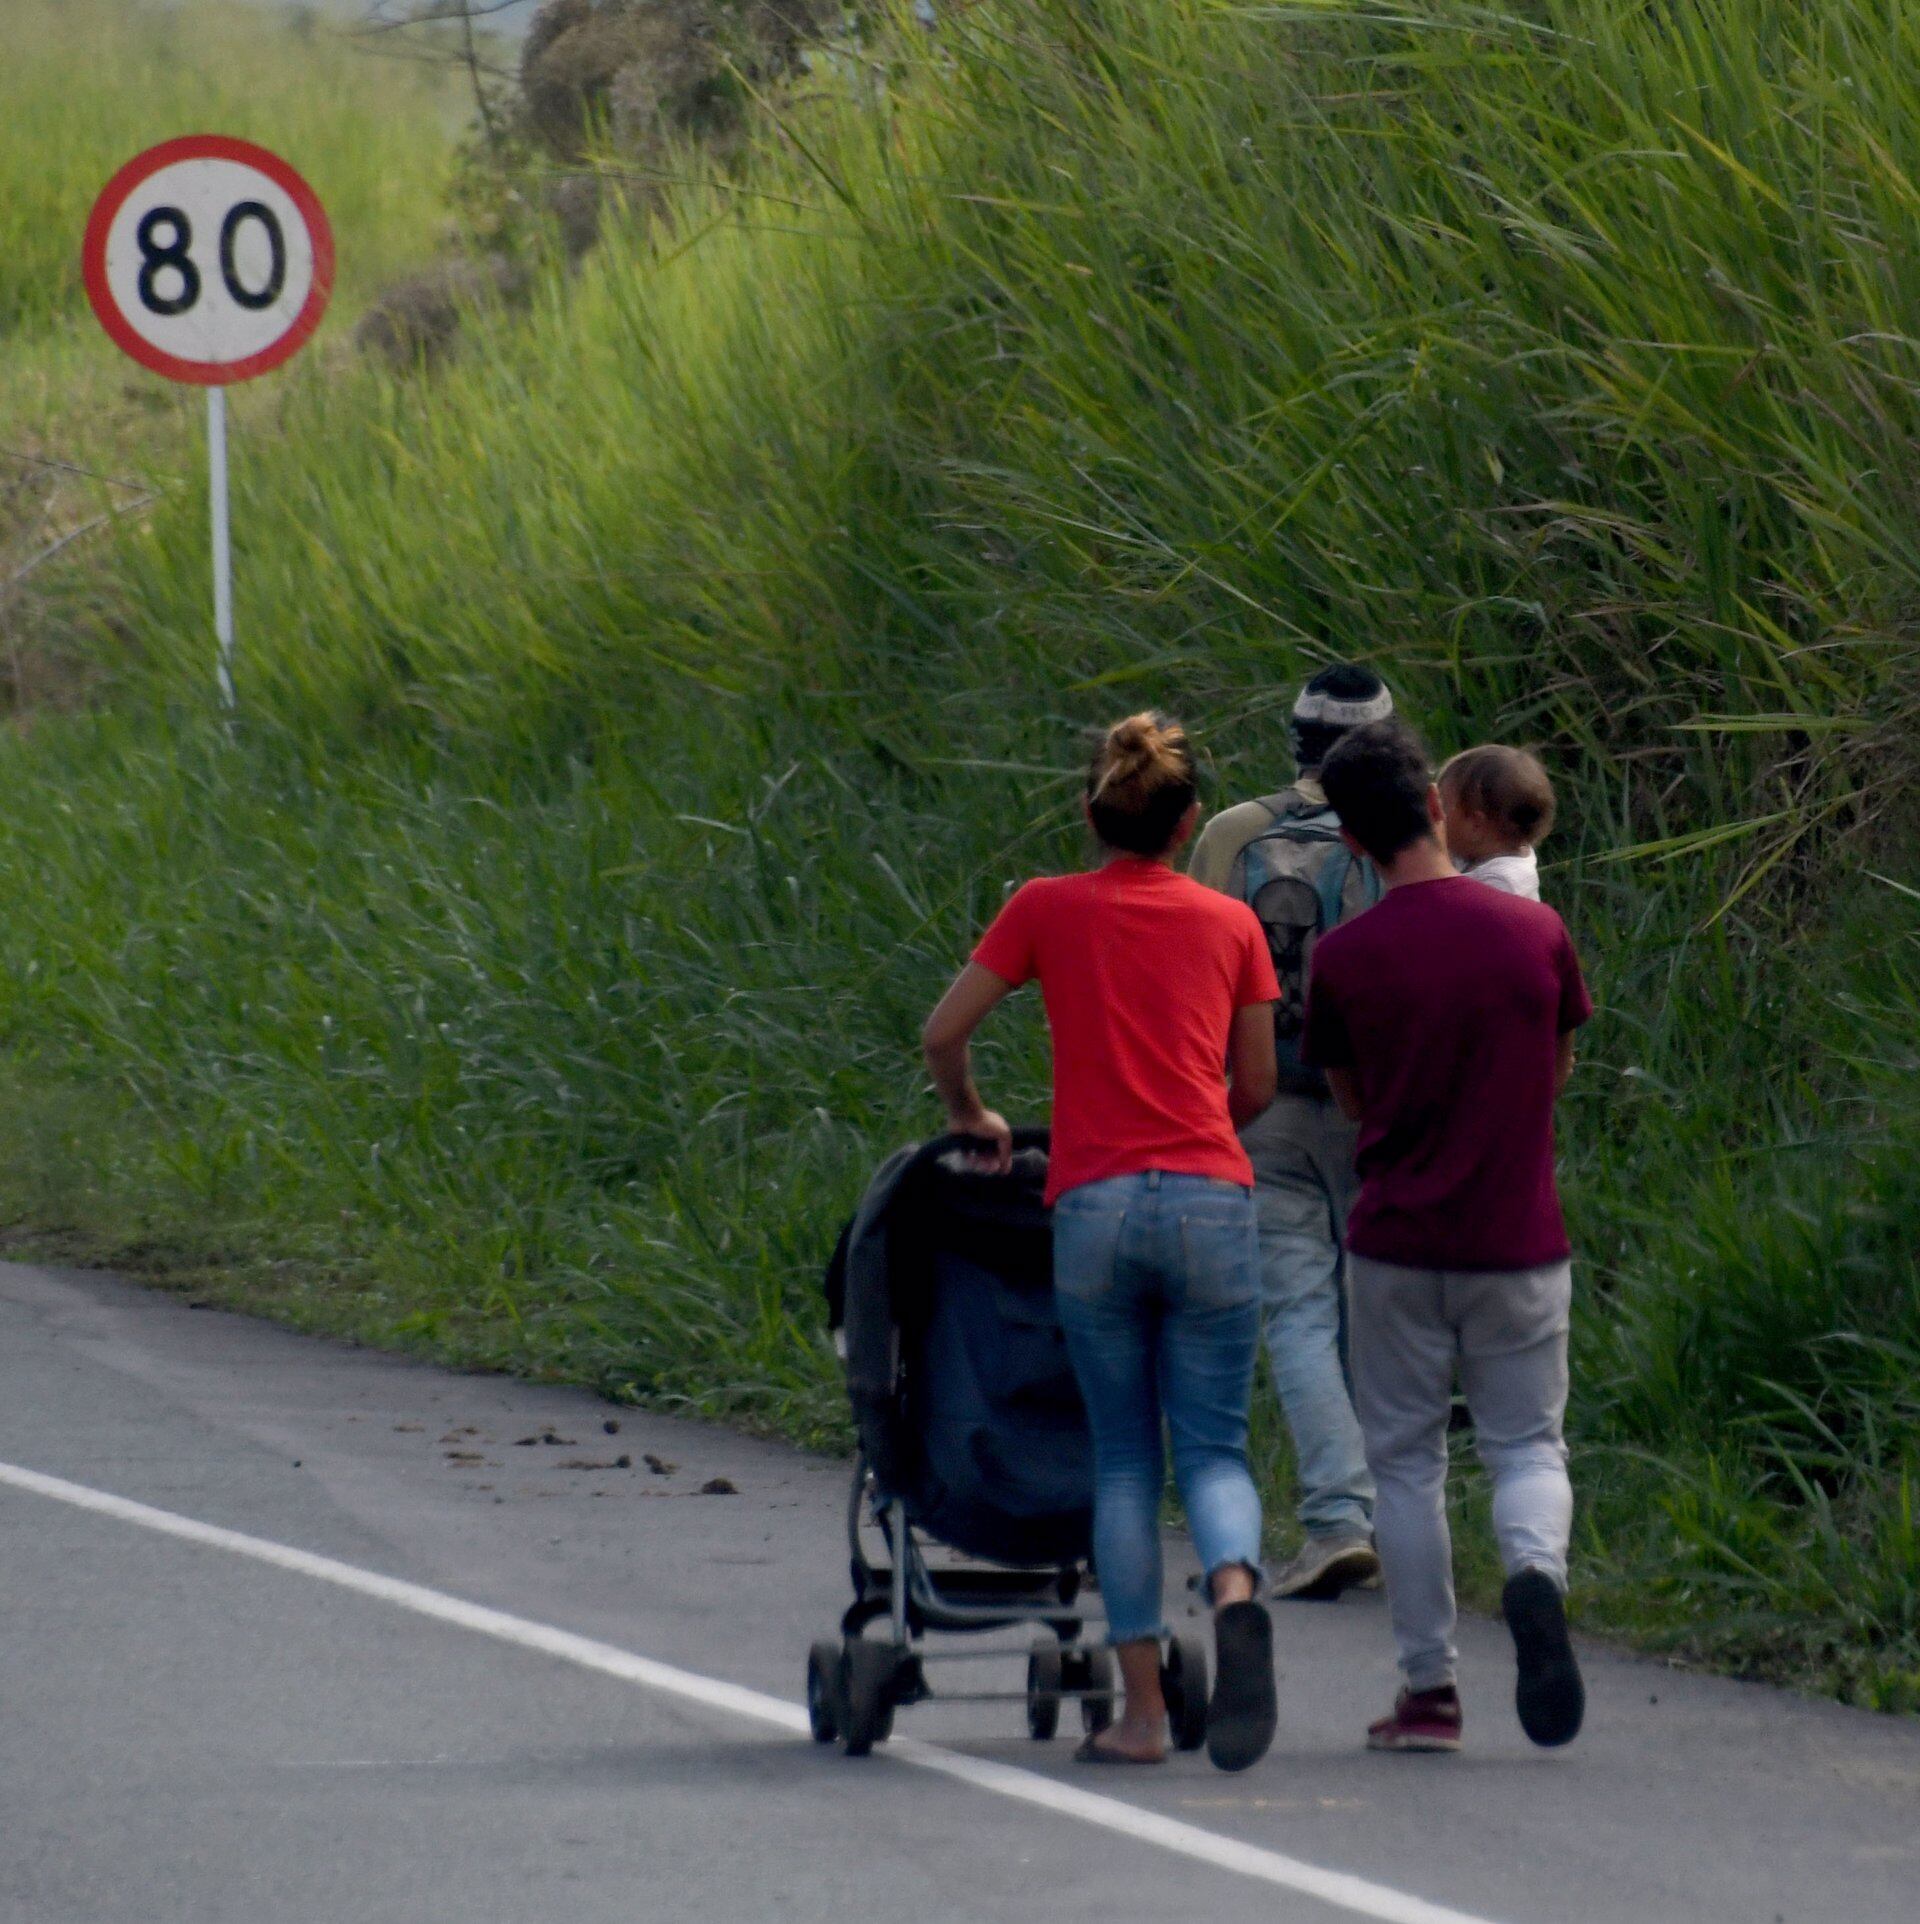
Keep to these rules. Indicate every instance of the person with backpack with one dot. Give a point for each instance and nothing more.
(1283, 856)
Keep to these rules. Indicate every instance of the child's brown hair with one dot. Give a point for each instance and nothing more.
(1508, 786)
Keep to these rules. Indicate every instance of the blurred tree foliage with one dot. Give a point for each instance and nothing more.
(642, 76)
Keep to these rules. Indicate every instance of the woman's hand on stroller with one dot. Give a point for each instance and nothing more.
(994, 1157)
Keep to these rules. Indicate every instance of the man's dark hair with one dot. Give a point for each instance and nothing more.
(1376, 778)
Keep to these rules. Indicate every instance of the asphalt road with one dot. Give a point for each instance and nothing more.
(193, 1731)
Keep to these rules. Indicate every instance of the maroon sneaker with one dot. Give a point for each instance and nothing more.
(1421, 1720)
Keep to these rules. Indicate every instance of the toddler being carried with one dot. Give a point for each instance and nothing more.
(1499, 805)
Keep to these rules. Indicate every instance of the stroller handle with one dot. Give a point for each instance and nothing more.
(1028, 1138)
(1024, 1140)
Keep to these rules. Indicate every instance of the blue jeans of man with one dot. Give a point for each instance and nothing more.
(1158, 1284)
(1304, 1186)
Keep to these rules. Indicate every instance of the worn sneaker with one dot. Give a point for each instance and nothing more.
(1326, 1564)
(1550, 1696)
(1421, 1720)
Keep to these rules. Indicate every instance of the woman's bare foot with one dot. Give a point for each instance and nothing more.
(1127, 1742)
(1140, 1735)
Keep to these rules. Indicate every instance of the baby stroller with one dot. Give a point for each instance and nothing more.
(972, 1436)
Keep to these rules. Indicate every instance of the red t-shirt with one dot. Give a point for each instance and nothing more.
(1141, 970)
(1448, 1000)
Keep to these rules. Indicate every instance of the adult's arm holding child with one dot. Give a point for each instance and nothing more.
(1576, 1007)
(1563, 1065)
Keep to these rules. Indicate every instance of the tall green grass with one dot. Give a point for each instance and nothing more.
(640, 715)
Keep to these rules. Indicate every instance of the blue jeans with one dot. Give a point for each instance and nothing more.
(1158, 1282)
(1302, 1150)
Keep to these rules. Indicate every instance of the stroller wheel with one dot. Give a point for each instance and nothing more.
(1044, 1673)
(866, 1694)
(1183, 1681)
(1099, 1678)
(823, 1691)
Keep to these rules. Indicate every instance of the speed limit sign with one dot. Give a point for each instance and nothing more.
(209, 260)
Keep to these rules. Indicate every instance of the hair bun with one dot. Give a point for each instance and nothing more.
(1141, 782)
(1146, 744)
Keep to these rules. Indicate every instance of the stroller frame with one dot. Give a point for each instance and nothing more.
(855, 1685)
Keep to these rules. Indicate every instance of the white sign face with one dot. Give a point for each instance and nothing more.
(209, 260)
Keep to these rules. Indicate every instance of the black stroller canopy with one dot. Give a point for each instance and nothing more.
(957, 1370)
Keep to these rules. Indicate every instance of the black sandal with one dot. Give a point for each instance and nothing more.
(1245, 1709)
(1549, 1695)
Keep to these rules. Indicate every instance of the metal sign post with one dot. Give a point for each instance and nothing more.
(222, 540)
(210, 260)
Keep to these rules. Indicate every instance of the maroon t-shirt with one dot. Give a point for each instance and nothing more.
(1448, 1000)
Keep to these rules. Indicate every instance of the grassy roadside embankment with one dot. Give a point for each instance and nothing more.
(641, 714)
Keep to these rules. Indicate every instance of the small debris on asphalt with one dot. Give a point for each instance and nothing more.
(719, 1486)
(658, 1464)
(409, 1426)
(543, 1436)
(463, 1456)
(588, 1463)
(611, 1426)
(623, 1462)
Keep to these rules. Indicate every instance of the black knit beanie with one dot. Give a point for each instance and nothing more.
(1338, 698)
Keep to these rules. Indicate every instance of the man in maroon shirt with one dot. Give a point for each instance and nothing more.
(1444, 1018)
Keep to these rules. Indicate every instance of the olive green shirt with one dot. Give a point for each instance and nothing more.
(1217, 856)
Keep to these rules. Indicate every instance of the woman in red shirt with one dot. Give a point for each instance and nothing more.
(1158, 995)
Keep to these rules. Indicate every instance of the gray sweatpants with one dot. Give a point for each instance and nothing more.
(1506, 1330)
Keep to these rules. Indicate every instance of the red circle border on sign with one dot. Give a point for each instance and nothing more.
(206, 147)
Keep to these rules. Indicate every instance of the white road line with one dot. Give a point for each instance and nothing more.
(1354, 1894)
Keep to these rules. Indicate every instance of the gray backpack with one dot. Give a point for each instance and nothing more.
(1300, 880)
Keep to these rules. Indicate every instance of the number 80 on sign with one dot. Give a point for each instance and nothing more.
(208, 260)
